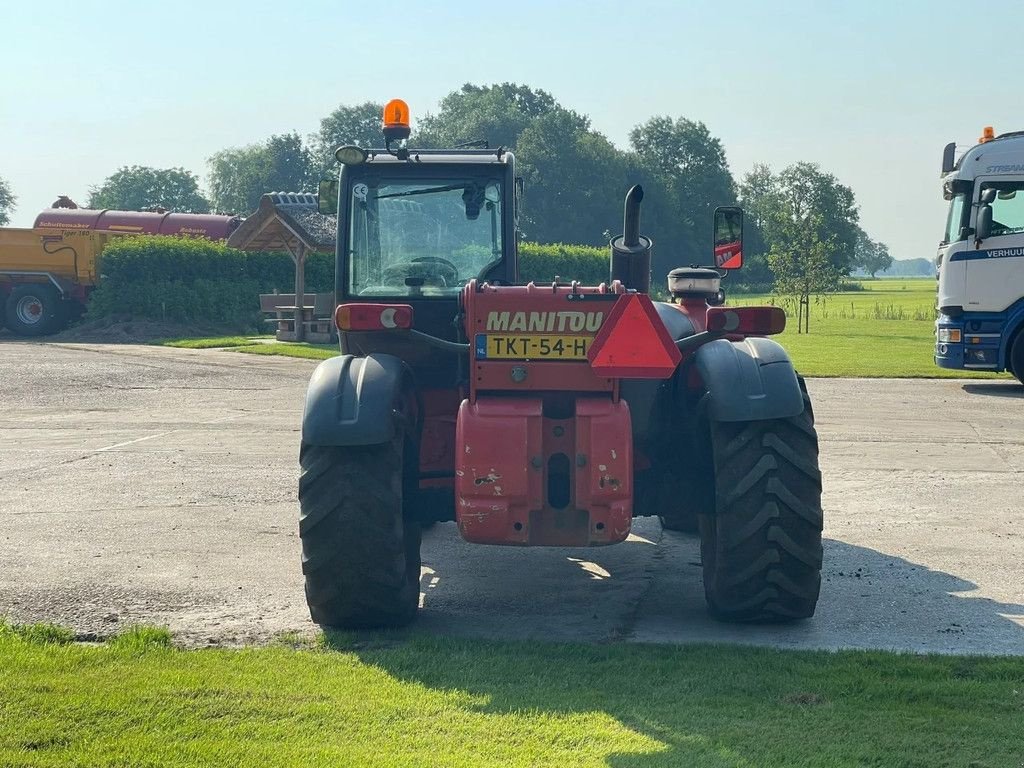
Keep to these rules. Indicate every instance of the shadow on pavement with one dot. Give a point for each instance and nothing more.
(650, 590)
(995, 389)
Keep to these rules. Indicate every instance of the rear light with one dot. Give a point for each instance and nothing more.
(372, 317)
(755, 321)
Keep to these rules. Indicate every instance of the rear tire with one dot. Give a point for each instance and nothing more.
(360, 549)
(1017, 356)
(34, 309)
(761, 549)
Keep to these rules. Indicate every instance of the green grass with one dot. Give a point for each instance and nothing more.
(248, 345)
(886, 330)
(410, 700)
(290, 349)
(215, 342)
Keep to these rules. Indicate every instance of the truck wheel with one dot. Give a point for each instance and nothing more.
(34, 309)
(761, 549)
(1017, 356)
(360, 552)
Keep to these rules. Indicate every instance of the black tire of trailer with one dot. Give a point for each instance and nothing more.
(34, 309)
(360, 546)
(1017, 356)
(761, 549)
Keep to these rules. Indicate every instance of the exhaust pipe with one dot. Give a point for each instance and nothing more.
(631, 251)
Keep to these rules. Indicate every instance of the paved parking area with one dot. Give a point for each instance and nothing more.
(144, 484)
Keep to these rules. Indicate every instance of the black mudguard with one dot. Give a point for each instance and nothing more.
(748, 380)
(352, 400)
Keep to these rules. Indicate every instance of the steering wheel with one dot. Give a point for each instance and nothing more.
(439, 260)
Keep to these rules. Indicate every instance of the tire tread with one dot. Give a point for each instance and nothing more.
(762, 548)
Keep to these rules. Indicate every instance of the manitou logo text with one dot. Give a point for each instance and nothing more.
(545, 321)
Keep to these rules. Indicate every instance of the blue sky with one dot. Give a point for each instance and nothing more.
(869, 90)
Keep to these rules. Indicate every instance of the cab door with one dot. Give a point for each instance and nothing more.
(995, 266)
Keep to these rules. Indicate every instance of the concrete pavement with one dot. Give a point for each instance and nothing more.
(145, 484)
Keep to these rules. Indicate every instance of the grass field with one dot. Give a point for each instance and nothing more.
(410, 700)
(885, 330)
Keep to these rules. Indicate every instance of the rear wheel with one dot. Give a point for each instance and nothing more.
(360, 550)
(1017, 356)
(761, 548)
(34, 309)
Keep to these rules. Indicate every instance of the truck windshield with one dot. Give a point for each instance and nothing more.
(425, 238)
(956, 219)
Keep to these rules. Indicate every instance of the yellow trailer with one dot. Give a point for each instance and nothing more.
(47, 272)
(46, 276)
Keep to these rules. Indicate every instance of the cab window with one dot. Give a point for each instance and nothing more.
(424, 238)
(1007, 207)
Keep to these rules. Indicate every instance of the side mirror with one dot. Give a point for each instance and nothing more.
(728, 245)
(988, 195)
(984, 227)
(327, 197)
(949, 157)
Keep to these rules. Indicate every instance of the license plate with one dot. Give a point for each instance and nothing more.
(532, 347)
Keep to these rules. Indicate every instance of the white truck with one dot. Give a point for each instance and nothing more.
(981, 257)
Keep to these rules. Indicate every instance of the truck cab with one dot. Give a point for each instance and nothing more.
(980, 259)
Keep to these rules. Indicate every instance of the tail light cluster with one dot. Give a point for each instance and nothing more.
(753, 321)
(372, 317)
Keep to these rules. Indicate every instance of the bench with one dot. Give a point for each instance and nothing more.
(316, 315)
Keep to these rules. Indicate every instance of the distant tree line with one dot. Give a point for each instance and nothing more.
(803, 232)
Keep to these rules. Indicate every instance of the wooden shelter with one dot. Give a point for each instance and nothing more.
(291, 222)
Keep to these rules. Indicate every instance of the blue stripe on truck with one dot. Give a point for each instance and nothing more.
(995, 253)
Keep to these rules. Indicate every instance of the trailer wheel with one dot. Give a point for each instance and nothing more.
(761, 549)
(1017, 356)
(34, 309)
(360, 550)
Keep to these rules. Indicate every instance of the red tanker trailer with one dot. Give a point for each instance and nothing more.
(47, 272)
(209, 226)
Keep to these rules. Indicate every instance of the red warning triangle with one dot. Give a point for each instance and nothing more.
(633, 342)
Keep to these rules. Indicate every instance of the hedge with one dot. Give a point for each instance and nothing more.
(182, 279)
(542, 263)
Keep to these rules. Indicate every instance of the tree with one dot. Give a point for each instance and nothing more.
(139, 188)
(870, 255)
(7, 201)
(575, 180)
(807, 222)
(239, 177)
(807, 191)
(693, 167)
(359, 124)
(802, 264)
(801, 214)
(496, 113)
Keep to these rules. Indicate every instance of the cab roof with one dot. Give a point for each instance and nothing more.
(1003, 155)
(481, 156)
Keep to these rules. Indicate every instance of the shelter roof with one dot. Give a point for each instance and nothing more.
(284, 221)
